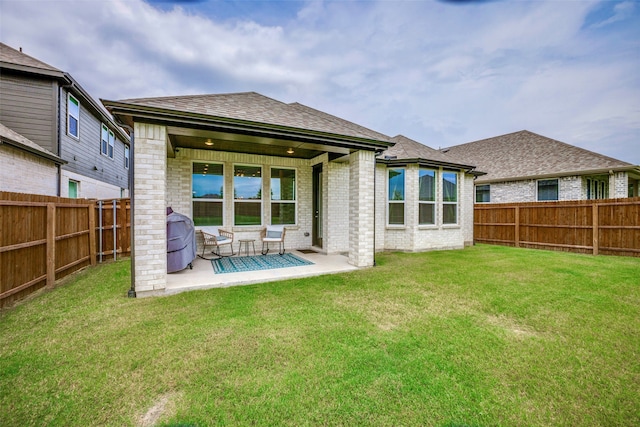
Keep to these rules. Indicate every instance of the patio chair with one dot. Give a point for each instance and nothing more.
(273, 234)
(216, 238)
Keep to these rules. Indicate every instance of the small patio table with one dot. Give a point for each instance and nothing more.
(246, 242)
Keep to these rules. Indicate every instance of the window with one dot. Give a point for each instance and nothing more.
(108, 140)
(449, 198)
(547, 189)
(207, 185)
(73, 116)
(483, 193)
(283, 196)
(396, 196)
(247, 195)
(126, 156)
(73, 189)
(426, 197)
(597, 188)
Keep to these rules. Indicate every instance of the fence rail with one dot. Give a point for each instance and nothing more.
(43, 239)
(606, 227)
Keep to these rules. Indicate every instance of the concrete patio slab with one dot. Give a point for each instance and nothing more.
(202, 275)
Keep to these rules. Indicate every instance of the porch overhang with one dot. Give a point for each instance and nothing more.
(207, 132)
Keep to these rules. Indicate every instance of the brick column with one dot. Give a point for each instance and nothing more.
(361, 208)
(149, 213)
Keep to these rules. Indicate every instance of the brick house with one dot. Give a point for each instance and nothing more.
(48, 107)
(243, 161)
(25, 162)
(527, 167)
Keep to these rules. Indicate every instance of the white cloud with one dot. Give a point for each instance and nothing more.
(439, 73)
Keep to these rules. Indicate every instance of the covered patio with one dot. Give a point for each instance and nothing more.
(202, 275)
(242, 162)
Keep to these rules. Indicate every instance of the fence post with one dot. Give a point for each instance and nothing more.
(115, 230)
(51, 245)
(596, 233)
(517, 231)
(92, 232)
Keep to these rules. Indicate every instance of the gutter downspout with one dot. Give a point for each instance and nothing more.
(132, 290)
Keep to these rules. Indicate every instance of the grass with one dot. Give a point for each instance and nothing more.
(488, 336)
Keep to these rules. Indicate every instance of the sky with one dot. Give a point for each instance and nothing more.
(440, 72)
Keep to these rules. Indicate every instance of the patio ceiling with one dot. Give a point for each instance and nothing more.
(201, 139)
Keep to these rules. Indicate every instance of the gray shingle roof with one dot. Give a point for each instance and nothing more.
(407, 148)
(527, 154)
(13, 56)
(254, 107)
(8, 135)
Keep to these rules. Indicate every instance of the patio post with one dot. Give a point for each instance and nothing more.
(361, 208)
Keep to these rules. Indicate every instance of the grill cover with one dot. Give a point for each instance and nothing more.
(181, 242)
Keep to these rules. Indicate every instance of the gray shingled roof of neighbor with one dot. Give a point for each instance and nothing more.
(256, 108)
(524, 154)
(406, 149)
(10, 137)
(13, 56)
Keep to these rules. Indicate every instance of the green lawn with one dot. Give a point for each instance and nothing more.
(487, 336)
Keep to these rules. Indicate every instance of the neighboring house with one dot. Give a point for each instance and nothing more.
(243, 161)
(27, 167)
(527, 167)
(48, 107)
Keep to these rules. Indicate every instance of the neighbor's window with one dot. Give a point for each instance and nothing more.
(547, 189)
(597, 188)
(126, 156)
(483, 193)
(207, 186)
(449, 198)
(396, 196)
(107, 141)
(247, 195)
(283, 196)
(427, 197)
(73, 116)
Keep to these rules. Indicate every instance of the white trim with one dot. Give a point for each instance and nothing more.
(263, 188)
(295, 198)
(69, 98)
(433, 203)
(397, 202)
(557, 180)
(446, 203)
(207, 200)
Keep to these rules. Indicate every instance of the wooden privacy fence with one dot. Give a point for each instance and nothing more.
(606, 227)
(43, 239)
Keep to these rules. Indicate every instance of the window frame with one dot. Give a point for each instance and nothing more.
(236, 200)
(486, 191)
(448, 202)
(295, 195)
(557, 180)
(70, 97)
(434, 202)
(208, 199)
(107, 147)
(127, 157)
(391, 201)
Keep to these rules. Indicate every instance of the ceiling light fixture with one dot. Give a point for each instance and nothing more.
(208, 142)
(290, 151)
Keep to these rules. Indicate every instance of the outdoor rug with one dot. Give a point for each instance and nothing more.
(256, 262)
